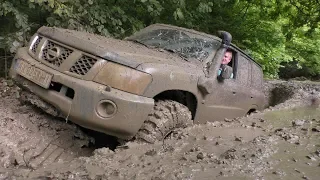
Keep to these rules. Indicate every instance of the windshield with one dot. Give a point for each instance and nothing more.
(177, 41)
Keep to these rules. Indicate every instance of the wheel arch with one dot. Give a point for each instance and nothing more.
(252, 109)
(184, 97)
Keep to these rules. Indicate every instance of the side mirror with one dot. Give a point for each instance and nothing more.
(226, 38)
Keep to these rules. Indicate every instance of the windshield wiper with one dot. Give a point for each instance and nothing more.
(139, 42)
(166, 49)
(177, 53)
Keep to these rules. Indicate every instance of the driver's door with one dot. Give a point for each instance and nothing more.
(229, 98)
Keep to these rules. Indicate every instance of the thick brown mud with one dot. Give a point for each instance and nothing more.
(298, 150)
(30, 138)
(282, 142)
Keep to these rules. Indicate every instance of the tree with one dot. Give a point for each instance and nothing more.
(272, 32)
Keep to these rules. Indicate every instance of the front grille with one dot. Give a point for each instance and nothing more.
(35, 45)
(83, 65)
(56, 54)
(57, 61)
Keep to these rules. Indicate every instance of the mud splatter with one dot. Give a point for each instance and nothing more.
(282, 142)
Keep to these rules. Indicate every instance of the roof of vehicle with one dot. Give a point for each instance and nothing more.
(205, 34)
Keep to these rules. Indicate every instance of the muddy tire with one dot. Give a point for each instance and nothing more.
(166, 116)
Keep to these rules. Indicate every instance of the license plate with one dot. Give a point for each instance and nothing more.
(33, 73)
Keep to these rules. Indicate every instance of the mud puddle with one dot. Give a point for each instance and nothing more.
(298, 149)
(197, 152)
(296, 161)
(287, 117)
(273, 144)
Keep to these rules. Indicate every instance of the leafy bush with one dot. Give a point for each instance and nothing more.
(273, 32)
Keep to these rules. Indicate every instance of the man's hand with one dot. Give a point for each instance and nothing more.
(226, 72)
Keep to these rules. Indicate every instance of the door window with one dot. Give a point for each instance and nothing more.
(229, 60)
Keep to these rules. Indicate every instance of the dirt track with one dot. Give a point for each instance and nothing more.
(281, 142)
(31, 139)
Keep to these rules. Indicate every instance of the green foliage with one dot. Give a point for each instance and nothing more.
(272, 32)
(12, 34)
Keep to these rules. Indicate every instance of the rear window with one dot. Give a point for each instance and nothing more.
(257, 76)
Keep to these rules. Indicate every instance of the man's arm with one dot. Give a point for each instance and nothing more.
(227, 72)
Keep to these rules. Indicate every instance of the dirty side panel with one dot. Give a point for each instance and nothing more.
(230, 98)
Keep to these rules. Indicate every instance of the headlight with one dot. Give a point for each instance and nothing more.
(123, 78)
(32, 40)
(33, 44)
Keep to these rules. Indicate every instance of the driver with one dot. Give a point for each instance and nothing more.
(224, 64)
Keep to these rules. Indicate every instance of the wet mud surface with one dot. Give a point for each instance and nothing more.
(281, 142)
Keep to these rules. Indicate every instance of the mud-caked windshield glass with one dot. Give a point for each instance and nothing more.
(177, 41)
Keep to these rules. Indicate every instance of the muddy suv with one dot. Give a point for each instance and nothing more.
(161, 78)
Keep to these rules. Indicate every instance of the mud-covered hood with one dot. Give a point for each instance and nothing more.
(124, 52)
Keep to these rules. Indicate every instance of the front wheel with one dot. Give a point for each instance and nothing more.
(166, 116)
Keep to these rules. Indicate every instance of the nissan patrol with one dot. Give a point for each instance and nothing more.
(160, 78)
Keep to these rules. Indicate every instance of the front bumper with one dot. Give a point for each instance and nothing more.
(81, 107)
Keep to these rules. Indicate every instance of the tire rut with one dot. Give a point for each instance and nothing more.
(33, 139)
